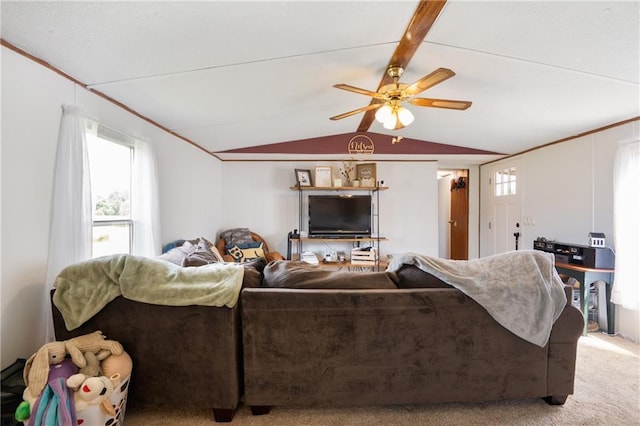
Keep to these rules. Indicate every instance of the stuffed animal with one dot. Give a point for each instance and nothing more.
(92, 368)
(93, 391)
(121, 364)
(36, 369)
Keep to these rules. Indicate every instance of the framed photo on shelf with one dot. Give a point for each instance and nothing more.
(323, 176)
(303, 178)
(366, 172)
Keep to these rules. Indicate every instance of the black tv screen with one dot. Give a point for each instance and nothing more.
(339, 215)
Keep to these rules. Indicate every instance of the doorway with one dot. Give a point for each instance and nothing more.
(453, 214)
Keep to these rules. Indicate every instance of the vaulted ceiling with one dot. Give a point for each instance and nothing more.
(254, 79)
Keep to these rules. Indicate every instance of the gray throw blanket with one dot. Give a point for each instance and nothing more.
(521, 290)
(287, 274)
(83, 289)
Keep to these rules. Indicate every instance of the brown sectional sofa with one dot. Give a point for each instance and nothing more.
(383, 340)
(381, 346)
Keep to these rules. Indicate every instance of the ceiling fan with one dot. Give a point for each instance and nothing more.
(391, 113)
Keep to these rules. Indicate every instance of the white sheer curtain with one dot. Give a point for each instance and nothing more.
(70, 233)
(145, 205)
(626, 214)
(71, 221)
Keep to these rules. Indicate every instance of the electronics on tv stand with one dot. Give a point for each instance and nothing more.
(336, 236)
(309, 257)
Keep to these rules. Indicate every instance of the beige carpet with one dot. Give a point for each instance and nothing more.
(607, 392)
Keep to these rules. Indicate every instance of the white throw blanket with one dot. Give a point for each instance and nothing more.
(521, 290)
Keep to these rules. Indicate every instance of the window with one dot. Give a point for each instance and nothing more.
(505, 182)
(110, 164)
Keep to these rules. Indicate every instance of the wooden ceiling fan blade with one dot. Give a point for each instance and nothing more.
(360, 91)
(356, 111)
(430, 80)
(440, 103)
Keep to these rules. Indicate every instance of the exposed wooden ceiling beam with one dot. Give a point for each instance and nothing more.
(425, 15)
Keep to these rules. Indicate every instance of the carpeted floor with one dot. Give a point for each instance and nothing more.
(607, 392)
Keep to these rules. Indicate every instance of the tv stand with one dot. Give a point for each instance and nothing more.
(355, 240)
(338, 237)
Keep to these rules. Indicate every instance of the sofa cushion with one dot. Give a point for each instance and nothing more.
(410, 276)
(287, 274)
(252, 277)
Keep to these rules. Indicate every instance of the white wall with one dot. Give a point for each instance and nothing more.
(257, 195)
(32, 95)
(568, 191)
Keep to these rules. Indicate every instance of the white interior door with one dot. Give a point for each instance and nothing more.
(507, 207)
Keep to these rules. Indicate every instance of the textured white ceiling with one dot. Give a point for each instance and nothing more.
(236, 74)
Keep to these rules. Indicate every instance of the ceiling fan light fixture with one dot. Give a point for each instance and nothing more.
(391, 122)
(389, 98)
(405, 116)
(384, 113)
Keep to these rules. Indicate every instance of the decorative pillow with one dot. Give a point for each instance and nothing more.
(287, 274)
(177, 255)
(172, 245)
(237, 236)
(202, 255)
(216, 253)
(245, 252)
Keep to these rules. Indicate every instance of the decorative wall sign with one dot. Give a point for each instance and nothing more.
(323, 176)
(366, 173)
(360, 144)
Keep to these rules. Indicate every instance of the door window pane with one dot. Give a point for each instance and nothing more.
(505, 182)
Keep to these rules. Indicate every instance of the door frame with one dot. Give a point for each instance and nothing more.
(445, 177)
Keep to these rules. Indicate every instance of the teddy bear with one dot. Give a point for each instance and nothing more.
(36, 369)
(93, 391)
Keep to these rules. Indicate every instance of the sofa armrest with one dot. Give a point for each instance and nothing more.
(568, 327)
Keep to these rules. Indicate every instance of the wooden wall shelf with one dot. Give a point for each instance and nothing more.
(339, 188)
(339, 240)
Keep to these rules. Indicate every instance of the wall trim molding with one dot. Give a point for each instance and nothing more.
(568, 138)
(74, 80)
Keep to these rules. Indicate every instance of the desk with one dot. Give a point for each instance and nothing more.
(586, 276)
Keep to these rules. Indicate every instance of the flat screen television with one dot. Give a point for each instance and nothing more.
(335, 216)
